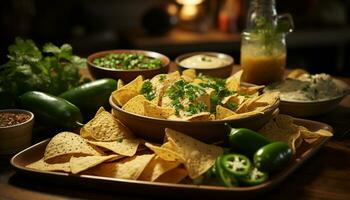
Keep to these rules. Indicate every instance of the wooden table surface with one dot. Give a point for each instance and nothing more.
(325, 176)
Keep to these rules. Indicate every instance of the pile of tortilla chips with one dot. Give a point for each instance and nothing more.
(248, 100)
(283, 128)
(105, 147)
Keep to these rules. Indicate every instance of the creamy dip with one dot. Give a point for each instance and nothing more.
(204, 62)
(308, 88)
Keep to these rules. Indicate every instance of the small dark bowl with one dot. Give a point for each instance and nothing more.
(126, 75)
(221, 72)
(152, 129)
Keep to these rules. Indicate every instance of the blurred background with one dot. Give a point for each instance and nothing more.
(319, 43)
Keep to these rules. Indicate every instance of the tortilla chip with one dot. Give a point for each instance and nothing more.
(173, 176)
(281, 128)
(156, 168)
(233, 83)
(42, 165)
(122, 96)
(203, 116)
(68, 144)
(199, 157)
(128, 168)
(79, 164)
(270, 98)
(126, 146)
(136, 105)
(307, 134)
(128, 91)
(244, 115)
(189, 75)
(222, 112)
(120, 84)
(152, 110)
(249, 90)
(233, 99)
(166, 152)
(105, 127)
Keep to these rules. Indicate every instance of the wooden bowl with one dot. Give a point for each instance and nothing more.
(207, 131)
(126, 75)
(221, 72)
(16, 137)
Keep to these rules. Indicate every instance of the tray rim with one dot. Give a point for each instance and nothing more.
(258, 189)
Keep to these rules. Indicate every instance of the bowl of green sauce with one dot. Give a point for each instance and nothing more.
(127, 64)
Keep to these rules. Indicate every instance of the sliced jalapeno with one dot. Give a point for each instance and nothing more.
(254, 177)
(224, 178)
(236, 165)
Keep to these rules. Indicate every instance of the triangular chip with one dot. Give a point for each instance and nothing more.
(67, 143)
(42, 165)
(152, 110)
(105, 127)
(128, 168)
(135, 105)
(199, 157)
(126, 146)
(203, 116)
(165, 152)
(173, 176)
(222, 112)
(156, 168)
(128, 91)
(281, 128)
(79, 164)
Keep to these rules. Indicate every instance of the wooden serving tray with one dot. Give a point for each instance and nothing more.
(35, 152)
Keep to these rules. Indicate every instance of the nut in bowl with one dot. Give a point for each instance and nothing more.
(127, 64)
(198, 106)
(209, 63)
(309, 95)
(15, 130)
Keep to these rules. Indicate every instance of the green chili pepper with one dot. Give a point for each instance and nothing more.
(236, 165)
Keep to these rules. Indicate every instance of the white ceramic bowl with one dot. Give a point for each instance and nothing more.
(299, 108)
(16, 137)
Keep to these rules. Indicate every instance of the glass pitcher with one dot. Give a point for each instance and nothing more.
(263, 47)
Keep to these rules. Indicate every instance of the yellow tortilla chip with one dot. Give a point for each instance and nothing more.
(120, 84)
(189, 75)
(156, 168)
(128, 168)
(128, 91)
(152, 110)
(250, 90)
(199, 157)
(281, 128)
(166, 152)
(233, 99)
(222, 112)
(173, 176)
(233, 82)
(126, 146)
(79, 164)
(203, 116)
(42, 165)
(67, 143)
(244, 115)
(136, 105)
(307, 134)
(105, 127)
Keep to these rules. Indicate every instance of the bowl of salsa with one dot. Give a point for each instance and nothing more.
(127, 64)
(15, 130)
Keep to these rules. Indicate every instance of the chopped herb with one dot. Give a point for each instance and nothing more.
(120, 140)
(162, 77)
(147, 90)
(232, 106)
(196, 108)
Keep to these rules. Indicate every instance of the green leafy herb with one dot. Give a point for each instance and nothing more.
(147, 90)
(232, 106)
(162, 77)
(196, 108)
(52, 70)
(220, 90)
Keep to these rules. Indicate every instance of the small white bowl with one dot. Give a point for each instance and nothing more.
(16, 137)
(299, 108)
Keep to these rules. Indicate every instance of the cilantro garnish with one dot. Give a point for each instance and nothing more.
(147, 90)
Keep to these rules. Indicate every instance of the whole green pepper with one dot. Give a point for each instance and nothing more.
(246, 141)
(51, 110)
(89, 97)
(272, 157)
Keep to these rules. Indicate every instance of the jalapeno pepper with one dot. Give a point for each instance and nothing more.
(254, 177)
(236, 165)
(224, 178)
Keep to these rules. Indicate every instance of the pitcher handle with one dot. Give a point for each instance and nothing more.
(285, 23)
